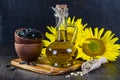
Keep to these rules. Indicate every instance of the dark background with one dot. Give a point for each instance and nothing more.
(38, 14)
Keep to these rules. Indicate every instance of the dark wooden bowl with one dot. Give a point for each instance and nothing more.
(28, 52)
(21, 40)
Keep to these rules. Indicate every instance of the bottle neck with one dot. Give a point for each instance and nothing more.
(61, 14)
(61, 29)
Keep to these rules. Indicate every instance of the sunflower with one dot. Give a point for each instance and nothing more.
(98, 43)
(52, 35)
(91, 43)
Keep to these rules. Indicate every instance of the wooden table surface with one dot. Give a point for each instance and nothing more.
(109, 71)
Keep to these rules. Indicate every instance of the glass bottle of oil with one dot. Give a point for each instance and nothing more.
(61, 52)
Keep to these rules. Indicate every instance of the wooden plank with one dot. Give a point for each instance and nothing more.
(45, 68)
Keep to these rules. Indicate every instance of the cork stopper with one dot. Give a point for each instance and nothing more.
(62, 6)
(61, 10)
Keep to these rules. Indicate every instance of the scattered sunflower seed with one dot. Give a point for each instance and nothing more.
(33, 63)
(23, 62)
(8, 65)
(67, 76)
(12, 68)
(72, 74)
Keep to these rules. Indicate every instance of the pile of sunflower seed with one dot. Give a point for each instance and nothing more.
(86, 66)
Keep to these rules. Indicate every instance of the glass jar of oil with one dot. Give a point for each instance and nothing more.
(61, 52)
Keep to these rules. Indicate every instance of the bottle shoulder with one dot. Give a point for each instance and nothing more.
(61, 45)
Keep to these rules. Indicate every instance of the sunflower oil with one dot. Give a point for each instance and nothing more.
(61, 52)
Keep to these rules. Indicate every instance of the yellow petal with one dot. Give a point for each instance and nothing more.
(112, 35)
(107, 35)
(88, 33)
(46, 43)
(85, 25)
(113, 47)
(85, 57)
(79, 55)
(96, 32)
(51, 37)
(91, 33)
(100, 33)
(114, 40)
(78, 23)
(73, 20)
(43, 53)
(69, 20)
(52, 30)
(111, 56)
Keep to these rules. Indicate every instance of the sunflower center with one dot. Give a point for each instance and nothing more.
(95, 47)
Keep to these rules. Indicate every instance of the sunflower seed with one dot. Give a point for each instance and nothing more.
(12, 68)
(8, 65)
(23, 62)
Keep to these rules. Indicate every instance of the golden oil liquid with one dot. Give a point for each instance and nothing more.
(61, 53)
